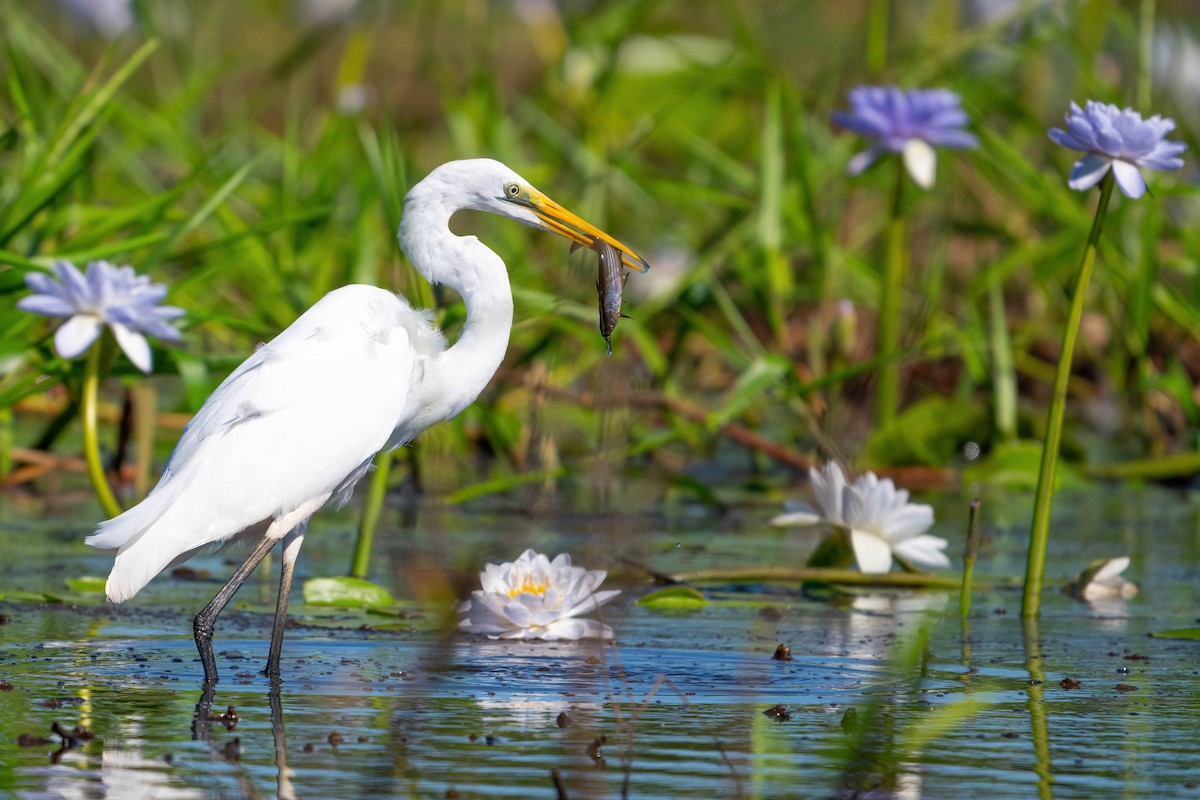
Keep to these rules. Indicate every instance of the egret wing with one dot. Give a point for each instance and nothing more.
(287, 427)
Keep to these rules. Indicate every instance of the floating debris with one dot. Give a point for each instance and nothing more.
(593, 750)
(1125, 687)
(778, 712)
(229, 719)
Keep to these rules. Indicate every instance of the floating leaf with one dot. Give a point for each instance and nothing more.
(674, 598)
(1178, 633)
(88, 584)
(23, 596)
(346, 592)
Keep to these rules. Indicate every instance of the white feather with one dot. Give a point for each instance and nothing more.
(254, 453)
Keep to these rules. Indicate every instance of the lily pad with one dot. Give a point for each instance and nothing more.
(23, 596)
(346, 592)
(1178, 633)
(87, 584)
(674, 598)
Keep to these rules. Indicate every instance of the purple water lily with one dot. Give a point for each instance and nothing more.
(911, 123)
(1120, 140)
(115, 296)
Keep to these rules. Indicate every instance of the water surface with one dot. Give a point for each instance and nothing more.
(674, 708)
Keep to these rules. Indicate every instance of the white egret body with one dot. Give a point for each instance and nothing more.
(297, 424)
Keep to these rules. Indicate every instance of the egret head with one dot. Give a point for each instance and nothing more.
(484, 184)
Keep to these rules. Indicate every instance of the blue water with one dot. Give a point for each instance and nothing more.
(678, 698)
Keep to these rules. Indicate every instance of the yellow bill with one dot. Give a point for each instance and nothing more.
(575, 228)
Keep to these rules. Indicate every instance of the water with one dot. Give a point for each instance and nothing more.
(673, 709)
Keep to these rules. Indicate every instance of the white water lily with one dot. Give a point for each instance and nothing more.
(1102, 580)
(536, 598)
(878, 517)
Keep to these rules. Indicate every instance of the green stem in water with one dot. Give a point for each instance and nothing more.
(1039, 534)
(964, 595)
(1037, 709)
(91, 443)
(887, 339)
(372, 508)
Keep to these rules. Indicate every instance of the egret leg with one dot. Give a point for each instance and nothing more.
(206, 620)
(291, 551)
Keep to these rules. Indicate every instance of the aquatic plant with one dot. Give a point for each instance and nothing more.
(108, 18)
(536, 598)
(1116, 144)
(128, 303)
(117, 297)
(911, 123)
(1102, 580)
(877, 517)
(1120, 140)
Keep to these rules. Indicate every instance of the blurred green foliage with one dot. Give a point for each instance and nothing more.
(254, 160)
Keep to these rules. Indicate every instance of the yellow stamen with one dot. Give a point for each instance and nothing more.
(531, 586)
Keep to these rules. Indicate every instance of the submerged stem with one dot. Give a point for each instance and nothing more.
(91, 445)
(887, 339)
(1039, 534)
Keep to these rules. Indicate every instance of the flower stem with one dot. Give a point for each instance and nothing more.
(1039, 534)
(91, 445)
(1145, 72)
(887, 339)
(877, 36)
(372, 508)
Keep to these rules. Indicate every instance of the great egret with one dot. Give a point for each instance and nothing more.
(297, 424)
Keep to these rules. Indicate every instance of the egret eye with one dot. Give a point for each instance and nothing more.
(512, 189)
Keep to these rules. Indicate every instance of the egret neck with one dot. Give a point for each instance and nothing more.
(469, 267)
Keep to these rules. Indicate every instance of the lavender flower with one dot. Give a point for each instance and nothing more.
(910, 122)
(115, 296)
(109, 18)
(1122, 140)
